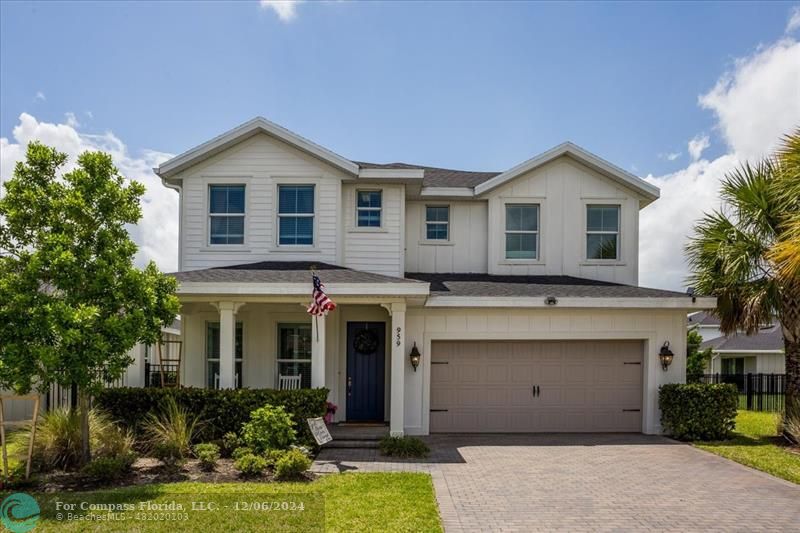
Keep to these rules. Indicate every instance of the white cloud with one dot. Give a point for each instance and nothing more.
(755, 104)
(40, 96)
(794, 20)
(285, 9)
(72, 120)
(697, 146)
(157, 232)
(670, 156)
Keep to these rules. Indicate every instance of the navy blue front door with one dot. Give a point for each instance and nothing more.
(365, 364)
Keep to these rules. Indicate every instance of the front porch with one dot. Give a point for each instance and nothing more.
(259, 335)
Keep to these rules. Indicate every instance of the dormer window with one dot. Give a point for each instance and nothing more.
(522, 231)
(226, 214)
(368, 209)
(602, 232)
(296, 215)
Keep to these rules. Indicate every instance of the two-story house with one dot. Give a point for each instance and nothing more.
(518, 289)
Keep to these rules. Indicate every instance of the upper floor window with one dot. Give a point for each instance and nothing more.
(368, 209)
(437, 222)
(296, 214)
(522, 231)
(226, 214)
(602, 232)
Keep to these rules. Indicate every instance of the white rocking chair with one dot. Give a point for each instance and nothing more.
(289, 382)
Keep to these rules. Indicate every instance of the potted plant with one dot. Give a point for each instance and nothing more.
(329, 412)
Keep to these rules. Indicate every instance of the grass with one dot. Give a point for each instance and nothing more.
(756, 444)
(344, 502)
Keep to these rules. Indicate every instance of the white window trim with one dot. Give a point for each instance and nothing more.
(207, 182)
(216, 359)
(314, 246)
(538, 260)
(278, 360)
(436, 242)
(356, 227)
(600, 202)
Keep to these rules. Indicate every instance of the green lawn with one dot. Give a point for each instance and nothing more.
(345, 502)
(755, 444)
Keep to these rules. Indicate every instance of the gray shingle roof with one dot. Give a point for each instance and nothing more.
(703, 318)
(438, 177)
(767, 339)
(559, 286)
(283, 272)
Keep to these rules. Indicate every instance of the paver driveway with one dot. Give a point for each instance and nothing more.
(587, 483)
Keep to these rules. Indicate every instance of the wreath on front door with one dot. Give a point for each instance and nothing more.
(365, 341)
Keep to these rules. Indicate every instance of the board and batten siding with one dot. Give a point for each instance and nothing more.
(563, 188)
(463, 252)
(378, 250)
(260, 163)
(426, 325)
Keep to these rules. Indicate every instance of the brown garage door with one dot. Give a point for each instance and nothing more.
(508, 386)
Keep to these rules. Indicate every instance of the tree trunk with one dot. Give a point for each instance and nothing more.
(86, 452)
(73, 397)
(792, 349)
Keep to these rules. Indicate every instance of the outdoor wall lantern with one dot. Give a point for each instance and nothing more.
(415, 356)
(665, 355)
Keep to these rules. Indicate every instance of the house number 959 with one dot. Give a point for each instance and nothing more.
(398, 337)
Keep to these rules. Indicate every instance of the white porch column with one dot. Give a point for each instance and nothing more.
(398, 339)
(318, 351)
(227, 344)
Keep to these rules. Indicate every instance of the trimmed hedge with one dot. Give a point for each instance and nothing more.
(698, 411)
(220, 411)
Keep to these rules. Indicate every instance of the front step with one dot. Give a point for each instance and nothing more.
(352, 444)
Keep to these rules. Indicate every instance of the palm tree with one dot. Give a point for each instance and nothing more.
(747, 254)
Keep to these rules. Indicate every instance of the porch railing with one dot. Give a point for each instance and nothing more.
(153, 373)
(757, 392)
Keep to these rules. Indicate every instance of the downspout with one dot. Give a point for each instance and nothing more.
(179, 189)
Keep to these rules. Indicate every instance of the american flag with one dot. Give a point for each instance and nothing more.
(320, 303)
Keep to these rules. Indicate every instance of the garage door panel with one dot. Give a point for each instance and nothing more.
(487, 386)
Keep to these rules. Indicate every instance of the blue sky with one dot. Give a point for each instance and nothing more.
(481, 85)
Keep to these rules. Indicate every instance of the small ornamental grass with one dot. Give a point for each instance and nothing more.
(404, 447)
(171, 432)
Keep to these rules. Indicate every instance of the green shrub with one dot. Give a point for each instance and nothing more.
(272, 456)
(105, 469)
(250, 465)
(58, 439)
(222, 411)
(172, 430)
(168, 453)
(208, 454)
(403, 447)
(241, 451)
(292, 464)
(698, 411)
(230, 442)
(270, 428)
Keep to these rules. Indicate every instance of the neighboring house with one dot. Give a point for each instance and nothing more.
(518, 288)
(705, 323)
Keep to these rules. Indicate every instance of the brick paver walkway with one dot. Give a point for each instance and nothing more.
(587, 483)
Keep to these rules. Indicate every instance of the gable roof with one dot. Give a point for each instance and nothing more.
(703, 318)
(648, 191)
(769, 339)
(244, 131)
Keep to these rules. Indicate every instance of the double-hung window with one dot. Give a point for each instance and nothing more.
(602, 232)
(368, 209)
(294, 352)
(437, 222)
(296, 215)
(226, 214)
(522, 231)
(213, 353)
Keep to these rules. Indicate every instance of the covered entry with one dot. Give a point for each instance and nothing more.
(536, 386)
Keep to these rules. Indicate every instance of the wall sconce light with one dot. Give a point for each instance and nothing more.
(415, 356)
(665, 355)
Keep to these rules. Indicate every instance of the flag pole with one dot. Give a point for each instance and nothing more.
(316, 316)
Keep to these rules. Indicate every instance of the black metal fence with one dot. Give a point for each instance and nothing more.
(153, 375)
(757, 392)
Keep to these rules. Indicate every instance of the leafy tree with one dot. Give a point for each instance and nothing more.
(747, 254)
(72, 303)
(696, 359)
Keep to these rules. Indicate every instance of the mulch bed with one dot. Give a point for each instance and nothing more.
(147, 471)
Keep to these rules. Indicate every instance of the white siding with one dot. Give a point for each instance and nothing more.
(260, 163)
(378, 250)
(771, 363)
(563, 188)
(464, 252)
